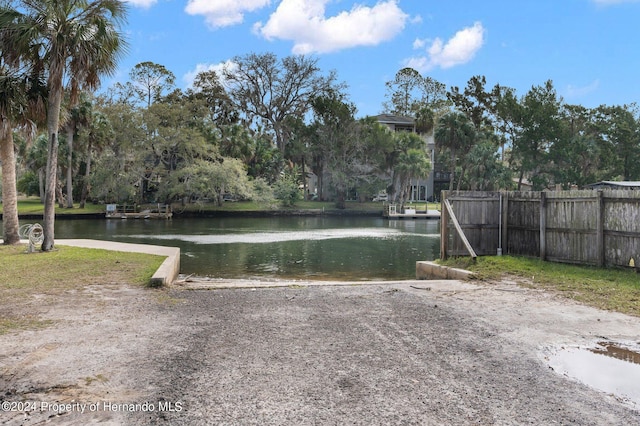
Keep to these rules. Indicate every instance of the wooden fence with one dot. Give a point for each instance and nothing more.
(585, 227)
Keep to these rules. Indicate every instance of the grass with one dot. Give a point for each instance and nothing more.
(603, 288)
(66, 269)
(33, 206)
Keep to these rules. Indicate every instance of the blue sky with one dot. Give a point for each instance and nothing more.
(590, 49)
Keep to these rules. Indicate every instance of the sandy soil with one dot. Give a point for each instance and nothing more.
(413, 352)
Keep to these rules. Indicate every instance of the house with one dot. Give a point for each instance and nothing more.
(438, 179)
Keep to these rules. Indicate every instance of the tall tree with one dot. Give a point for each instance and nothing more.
(409, 92)
(79, 39)
(474, 101)
(21, 106)
(269, 90)
(540, 127)
(336, 130)
(79, 115)
(12, 103)
(96, 135)
(619, 128)
(412, 164)
(454, 133)
(150, 80)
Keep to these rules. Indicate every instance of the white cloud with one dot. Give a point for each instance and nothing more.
(573, 92)
(419, 43)
(189, 77)
(223, 13)
(611, 2)
(460, 49)
(145, 4)
(304, 22)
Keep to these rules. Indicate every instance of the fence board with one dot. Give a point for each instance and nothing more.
(586, 226)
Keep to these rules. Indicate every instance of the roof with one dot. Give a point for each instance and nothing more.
(394, 119)
(615, 184)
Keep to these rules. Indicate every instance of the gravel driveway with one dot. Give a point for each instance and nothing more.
(412, 352)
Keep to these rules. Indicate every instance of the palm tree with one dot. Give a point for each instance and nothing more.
(79, 116)
(453, 132)
(79, 40)
(12, 99)
(21, 104)
(411, 164)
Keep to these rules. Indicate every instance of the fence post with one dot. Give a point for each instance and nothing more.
(444, 226)
(600, 229)
(505, 222)
(543, 225)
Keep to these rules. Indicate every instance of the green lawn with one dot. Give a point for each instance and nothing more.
(604, 288)
(32, 205)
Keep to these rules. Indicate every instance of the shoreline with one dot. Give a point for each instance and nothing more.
(221, 213)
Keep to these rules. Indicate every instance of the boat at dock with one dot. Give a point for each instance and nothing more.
(393, 211)
(124, 211)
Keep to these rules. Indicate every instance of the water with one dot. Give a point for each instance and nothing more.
(324, 248)
(610, 367)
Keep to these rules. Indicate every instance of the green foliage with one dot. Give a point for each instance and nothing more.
(287, 188)
(409, 93)
(263, 194)
(210, 180)
(485, 170)
(28, 184)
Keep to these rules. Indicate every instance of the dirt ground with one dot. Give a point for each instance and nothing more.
(411, 352)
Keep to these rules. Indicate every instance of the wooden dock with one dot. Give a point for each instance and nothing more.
(391, 211)
(129, 212)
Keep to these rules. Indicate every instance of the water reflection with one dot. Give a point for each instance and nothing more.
(351, 248)
(610, 367)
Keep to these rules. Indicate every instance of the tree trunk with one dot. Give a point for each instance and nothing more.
(85, 181)
(53, 119)
(70, 132)
(341, 200)
(9, 192)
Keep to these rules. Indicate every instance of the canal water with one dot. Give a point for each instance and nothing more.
(322, 248)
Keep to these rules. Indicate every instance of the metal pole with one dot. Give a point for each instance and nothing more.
(500, 228)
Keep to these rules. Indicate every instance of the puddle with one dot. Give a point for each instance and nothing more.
(611, 367)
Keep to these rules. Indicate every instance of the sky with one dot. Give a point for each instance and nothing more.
(590, 49)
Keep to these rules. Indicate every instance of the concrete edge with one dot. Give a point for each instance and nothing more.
(199, 283)
(166, 274)
(426, 270)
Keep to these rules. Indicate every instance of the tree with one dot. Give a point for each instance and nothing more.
(96, 135)
(485, 170)
(619, 129)
(80, 39)
(337, 132)
(79, 115)
(402, 143)
(150, 80)
(212, 179)
(269, 91)
(474, 102)
(21, 106)
(412, 164)
(540, 127)
(208, 88)
(454, 133)
(12, 101)
(409, 91)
